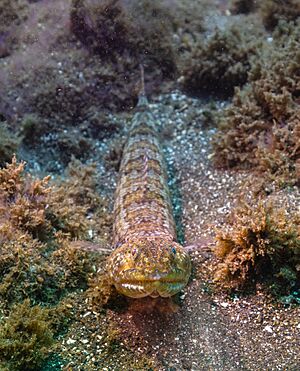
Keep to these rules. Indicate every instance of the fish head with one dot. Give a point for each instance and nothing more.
(149, 267)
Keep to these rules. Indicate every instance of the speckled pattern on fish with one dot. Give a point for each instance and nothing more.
(147, 259)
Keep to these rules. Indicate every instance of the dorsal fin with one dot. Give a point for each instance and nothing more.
(142, 99)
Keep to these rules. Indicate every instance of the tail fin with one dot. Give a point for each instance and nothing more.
(142, 99)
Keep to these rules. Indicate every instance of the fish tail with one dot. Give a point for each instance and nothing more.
(142, 99)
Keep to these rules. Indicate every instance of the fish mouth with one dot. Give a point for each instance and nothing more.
(153, 287)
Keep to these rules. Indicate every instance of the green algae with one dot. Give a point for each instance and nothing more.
(26, 337)
(221, 63)
(261, 126)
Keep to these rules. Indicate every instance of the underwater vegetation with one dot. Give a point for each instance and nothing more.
(259, 131)
(41, 259)
(274, 11)
(221, 63)
(38, 258)
(242, 6)
(114, 39)
(270, 11)
(261, 128)
(9, 144)
(114, 29)
(26, 337)
(260, 243)
(12, 14)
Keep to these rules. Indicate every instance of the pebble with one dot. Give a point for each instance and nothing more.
(70, 341)
(268, 329)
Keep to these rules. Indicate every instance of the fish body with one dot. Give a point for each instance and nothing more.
(147, 260)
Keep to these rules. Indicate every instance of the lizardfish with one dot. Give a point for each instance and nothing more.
(147, 259)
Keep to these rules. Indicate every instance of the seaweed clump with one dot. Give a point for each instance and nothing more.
(261, 128)
(12, 14)
(274, 11)
(219, 65)
(103, 28)
(39, 257)
(65, 143)
(242, 6)
(75, 198)
(45, 257)
(141, 31)
(9, 144)
(26, 337)
(260, 244)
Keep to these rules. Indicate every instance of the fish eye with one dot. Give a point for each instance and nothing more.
(173, 250)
